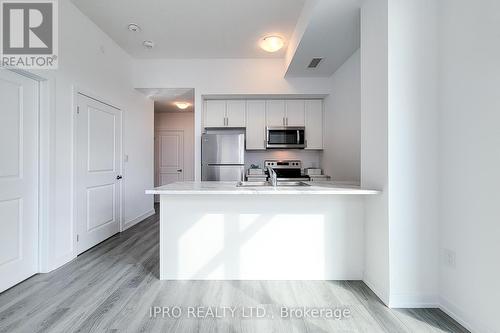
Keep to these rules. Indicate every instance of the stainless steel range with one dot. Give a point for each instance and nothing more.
(287, 170)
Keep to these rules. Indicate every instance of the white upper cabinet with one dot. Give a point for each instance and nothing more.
(295, 113)
(221, 113)
(275, 113)
(215, 113)
(314, 124)
(257, 115)
(235, 113)
(256, 125)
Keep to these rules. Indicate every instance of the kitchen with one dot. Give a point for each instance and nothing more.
(271, 196)
(305, 154)
(269, 129)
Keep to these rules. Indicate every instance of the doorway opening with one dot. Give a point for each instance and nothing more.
(174, 135)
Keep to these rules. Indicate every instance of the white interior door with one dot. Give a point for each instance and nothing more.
(18, 178)
(169, 156)
(98, 172)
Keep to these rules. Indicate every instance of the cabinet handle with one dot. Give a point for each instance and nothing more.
(284, 124)
(286, 121)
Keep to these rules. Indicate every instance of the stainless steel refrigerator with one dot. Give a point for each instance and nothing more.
(223, 157)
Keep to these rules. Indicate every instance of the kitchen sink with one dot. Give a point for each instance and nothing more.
(291, 184)
(268, 184)
(253, 184)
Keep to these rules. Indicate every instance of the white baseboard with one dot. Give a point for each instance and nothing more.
(462, 318)
(405, 301)
(138, 219)
(380, 292)
(59, 262)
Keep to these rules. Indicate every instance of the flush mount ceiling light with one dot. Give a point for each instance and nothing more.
(272, 43)
(182, 105)
(134, 27)
(149, 44)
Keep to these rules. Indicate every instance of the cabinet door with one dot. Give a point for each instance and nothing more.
(275, 113)
(295, 114)
(314, 124)
(236, 113)
(256, 125)
(215, 113)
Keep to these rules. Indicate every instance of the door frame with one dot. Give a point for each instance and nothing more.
(157, 168)
(89, 94)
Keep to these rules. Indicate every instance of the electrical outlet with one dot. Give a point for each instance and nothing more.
(449, 258)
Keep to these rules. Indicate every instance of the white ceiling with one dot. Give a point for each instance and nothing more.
(165, 98)
(195, 28)
(332, 33)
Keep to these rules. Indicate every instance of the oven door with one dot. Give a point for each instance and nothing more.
(286, 138)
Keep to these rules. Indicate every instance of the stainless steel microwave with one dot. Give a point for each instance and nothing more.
(285, 138)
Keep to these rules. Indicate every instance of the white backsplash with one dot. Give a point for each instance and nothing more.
(309, 158)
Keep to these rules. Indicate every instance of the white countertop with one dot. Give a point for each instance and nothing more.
(327, 187)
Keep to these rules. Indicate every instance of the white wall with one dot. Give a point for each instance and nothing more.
(374, 142)
(232, 76)
(341, 157)
(470, 160)
(413, 153)
(180, 121)
(90, 60)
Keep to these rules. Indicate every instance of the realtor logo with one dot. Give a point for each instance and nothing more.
(29, 34)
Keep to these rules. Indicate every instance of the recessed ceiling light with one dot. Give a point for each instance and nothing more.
(134, 27)
(182, 105)
(272, 43)
(149, 44)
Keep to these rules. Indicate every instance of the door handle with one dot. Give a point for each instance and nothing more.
(119, 177)
(179, 170)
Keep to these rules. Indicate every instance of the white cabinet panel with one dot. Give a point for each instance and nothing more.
(235, 113)
(275, 113)
(295, 114)
(215, 113)
(256, 125)
(314, 124)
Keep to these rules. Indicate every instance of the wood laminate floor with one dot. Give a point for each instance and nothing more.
(112, 287)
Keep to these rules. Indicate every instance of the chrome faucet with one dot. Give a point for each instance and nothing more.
(273, 176)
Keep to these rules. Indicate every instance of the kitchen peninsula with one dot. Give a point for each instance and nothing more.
(217, 230)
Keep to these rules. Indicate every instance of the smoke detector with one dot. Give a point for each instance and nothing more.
(149, 44)
(134, 27)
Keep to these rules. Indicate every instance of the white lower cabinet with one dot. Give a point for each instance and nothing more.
(314, 124)
(256, 125)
